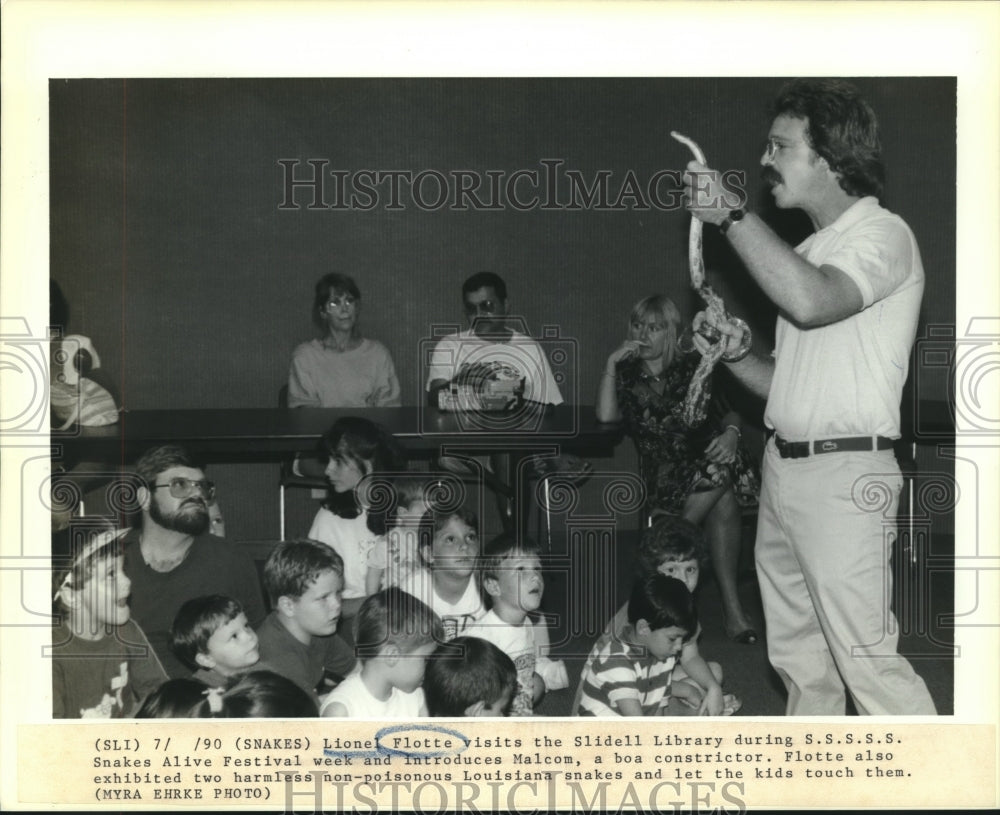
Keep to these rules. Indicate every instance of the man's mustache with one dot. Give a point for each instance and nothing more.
(771, 176)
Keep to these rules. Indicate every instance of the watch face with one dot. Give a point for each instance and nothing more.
(734, 216)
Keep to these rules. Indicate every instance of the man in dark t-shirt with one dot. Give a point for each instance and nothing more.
(172, 558)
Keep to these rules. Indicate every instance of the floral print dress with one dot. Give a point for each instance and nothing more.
(672, 457)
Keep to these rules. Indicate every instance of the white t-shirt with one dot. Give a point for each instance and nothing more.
(521, 354)
(846, 378)
(455, 617)
(396, 554)
(517, 642)
(360, 704)
(523, 645)
(352, 540)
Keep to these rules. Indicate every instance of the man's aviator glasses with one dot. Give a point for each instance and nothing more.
(183, 487)
(489, 307)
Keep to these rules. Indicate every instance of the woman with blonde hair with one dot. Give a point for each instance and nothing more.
(691, 472)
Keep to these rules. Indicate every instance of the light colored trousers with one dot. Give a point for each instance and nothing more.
(824, 536)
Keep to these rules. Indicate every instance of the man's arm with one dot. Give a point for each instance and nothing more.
(477, 375)
(432, 391)
(754, 372)
(810, 295)
(442, 367)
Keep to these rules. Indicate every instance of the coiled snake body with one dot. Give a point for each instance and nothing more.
(695, 405)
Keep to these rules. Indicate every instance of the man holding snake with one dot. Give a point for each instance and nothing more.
(848, 299)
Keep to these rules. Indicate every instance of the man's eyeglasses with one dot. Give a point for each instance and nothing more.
(772, 147)
(483, 307)
(183, 487)
(344, 300)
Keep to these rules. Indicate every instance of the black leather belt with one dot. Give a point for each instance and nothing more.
(804, 449)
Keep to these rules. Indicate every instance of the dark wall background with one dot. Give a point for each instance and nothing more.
(168, 240)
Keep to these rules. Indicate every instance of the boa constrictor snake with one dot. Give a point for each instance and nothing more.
(695, 406)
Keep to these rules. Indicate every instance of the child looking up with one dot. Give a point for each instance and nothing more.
(395, 635)
(395, 555)
(631, 676)
(511, 572)
(469, 677)
(212, 637)
(298, 639)
(357, 448)
(675, 547)
(448, 545)
(102, 663)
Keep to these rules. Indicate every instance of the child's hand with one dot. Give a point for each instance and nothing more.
(537, 689)
(711, 704)
(687, 693)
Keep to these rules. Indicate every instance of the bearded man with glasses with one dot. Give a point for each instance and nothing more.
(171, 557)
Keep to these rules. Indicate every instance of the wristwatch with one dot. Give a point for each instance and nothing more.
(734, 216)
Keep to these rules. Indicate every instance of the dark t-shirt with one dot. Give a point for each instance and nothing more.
(213, 566)
(102, 679)
(303, 664)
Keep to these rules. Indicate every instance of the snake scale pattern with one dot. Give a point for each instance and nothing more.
(695, 406)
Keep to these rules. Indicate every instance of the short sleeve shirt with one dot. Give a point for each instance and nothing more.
(521, 354)
(846, 378)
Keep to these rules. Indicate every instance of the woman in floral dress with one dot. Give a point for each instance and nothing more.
(702, 473)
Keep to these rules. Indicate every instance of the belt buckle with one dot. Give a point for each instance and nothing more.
(791, 449)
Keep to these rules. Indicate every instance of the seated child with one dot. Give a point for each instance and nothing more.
(395, 633)
(394, 556)
(257, 694)
(512, 579)
(469, 677)
(358, 450)
(212, 637)
(102, 663)
(448, 545)
(216, 523)
(675, 547)
(298, 639)
(630, 675)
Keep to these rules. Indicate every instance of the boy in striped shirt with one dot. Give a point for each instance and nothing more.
(630, 675)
